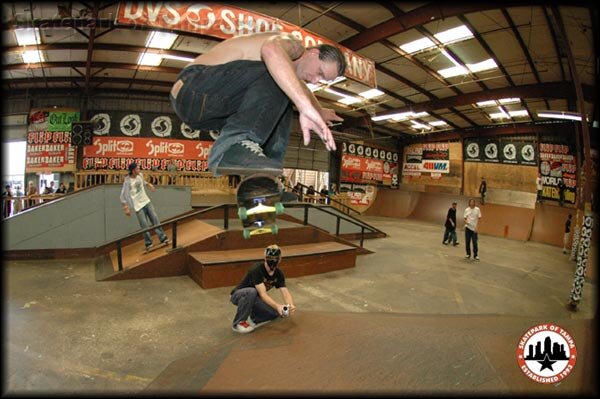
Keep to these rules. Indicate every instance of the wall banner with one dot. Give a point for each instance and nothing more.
(117, 152)
(49, 141)
(367, 164)
(497, 151)
(224, 22)
(558, 162)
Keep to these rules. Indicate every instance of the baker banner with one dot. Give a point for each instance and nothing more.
(117, 153)
(558, 162)
(496, 151)
(49, 141)
(224, 22)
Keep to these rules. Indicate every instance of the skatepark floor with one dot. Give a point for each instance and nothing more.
(414, 317)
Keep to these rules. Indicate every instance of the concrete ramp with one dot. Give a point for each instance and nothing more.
(377, 353)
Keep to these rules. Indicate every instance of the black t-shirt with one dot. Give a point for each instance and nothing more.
(568, 226)
(451, 215)
(258, 274)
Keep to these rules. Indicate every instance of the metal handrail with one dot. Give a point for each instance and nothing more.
(225, 207)
(349, 208)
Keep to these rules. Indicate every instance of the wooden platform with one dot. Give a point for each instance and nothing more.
(212, 269)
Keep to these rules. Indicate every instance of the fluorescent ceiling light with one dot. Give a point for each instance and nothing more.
(32, 57)
(454, 34)
(559, 115)
(519, 113)
(489, 103)
(150, 59)
(176, 57)
(437, 123)
(450, 58)
(453, 71)
(349, 100)
(313, 87)
(499, 115)
(371, 93)
(418, 125)
(417, 45)
(334, 81)
(398, 116)
(28, 36)
(419, 114)
(482, 66)
(509, 100)
(337, 93)
(162, 40)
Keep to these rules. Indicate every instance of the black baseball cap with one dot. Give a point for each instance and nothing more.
(132, 166)
(273, 251)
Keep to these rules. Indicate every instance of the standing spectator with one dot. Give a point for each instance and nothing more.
(483, 190)
(7, 201)
(540, 188)
(31, 191)
(567, 234)
(172, 169)
(18, 204)
(49, 190)
(472, 216)
(310, 194)
(450, 232)
(298, 191)
(61, 189)
(324, 193)
(133, 196)
(561, 192)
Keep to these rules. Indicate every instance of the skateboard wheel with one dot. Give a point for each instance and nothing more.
(279, 208)
(246, 234)
(242, 213)
(274, 229)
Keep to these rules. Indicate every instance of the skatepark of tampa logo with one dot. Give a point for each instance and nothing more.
(546, 353)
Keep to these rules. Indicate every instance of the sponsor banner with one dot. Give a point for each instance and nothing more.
(496, 151)
(436, 151)
(362, 170)
(367, 164)
(145, 124)
(557, 162)
(112, 147)
(435, 166)
(50, 150)
(121, 163)
(224, 22)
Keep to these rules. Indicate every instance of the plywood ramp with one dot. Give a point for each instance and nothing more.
(377, 353)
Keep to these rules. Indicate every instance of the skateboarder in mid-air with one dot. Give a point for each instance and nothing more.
(244, 87)
(254, 305)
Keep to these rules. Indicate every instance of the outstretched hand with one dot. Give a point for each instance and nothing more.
(311, 122)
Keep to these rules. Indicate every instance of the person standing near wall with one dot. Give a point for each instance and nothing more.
(567, 234)
(133, 196)
(7, 201)
(472, 215)
(539, 187)
(450, 225)
(561, 192)
(483, 190)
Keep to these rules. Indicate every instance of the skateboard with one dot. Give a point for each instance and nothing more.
(259, 202)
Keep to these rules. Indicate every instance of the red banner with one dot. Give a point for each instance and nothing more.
(364, 170)
(136, 147)
(226, 22)
(150, 153)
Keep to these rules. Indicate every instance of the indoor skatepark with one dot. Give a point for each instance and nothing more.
(435, 97)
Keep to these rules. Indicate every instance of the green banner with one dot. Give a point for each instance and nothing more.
(61, 121)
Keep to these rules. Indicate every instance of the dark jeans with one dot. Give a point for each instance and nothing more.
(248, 303)
(450, 234)
(482, 198)
(241, 100)
(470, 235)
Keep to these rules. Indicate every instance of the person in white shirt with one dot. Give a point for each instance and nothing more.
(540, 187)
(133, 196)
(472, 216)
